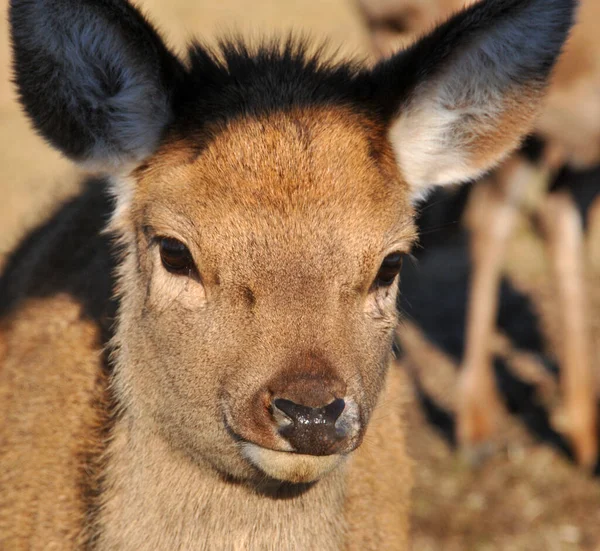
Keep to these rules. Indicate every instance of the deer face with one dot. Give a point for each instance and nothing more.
(264, 203)
(259, 303)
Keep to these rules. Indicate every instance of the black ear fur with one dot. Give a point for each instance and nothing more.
(512, 42)
(94, 77)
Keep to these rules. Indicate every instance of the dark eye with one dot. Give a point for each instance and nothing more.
(390, 268)
(175, 256)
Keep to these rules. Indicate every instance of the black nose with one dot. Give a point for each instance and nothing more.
(310, 430)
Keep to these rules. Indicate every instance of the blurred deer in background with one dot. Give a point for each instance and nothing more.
(566, 150)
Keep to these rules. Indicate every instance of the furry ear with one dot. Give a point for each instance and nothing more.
(462, 97)
(94, 77)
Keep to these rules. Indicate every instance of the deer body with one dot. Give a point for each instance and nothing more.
(238, 267)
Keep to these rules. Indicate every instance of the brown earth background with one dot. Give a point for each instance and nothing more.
(525, 496)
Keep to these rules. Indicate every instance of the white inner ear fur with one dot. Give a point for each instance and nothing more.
(434, 134)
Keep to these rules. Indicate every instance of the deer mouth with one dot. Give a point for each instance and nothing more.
(290, 466)
(283, 463)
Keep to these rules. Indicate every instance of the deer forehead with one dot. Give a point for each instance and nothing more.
(316, 178)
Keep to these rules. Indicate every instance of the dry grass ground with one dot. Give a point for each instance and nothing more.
(525, 497)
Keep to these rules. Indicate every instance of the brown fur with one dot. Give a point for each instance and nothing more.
(518, 115)
(51, 387)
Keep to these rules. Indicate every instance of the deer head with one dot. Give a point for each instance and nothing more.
(264, 197)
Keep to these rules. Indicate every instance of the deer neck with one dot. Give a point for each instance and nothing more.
(158, 498)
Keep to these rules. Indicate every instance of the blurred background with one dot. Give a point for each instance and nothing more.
(524, 492)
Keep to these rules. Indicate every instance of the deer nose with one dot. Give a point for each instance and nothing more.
(310, 430)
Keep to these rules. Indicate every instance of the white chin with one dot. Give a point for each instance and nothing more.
(290, 467)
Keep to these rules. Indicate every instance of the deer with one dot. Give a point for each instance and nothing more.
(195, 350)
(565, 149)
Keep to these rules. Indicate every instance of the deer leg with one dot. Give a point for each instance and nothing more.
(477, 402)
(566, 248)
(478, 406)
(593, 233)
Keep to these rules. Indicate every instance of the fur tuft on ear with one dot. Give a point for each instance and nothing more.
(94, 77)
(462, 97)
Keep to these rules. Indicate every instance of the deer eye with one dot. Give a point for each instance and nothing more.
(175, 256)
(390, 268)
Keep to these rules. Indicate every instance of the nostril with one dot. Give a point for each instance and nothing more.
(334, 410)
(282, 414)
(304, 415)
(289, 408)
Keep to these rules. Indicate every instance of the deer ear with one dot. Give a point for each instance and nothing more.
(94, 77)
(462, 97)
